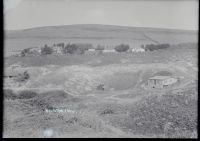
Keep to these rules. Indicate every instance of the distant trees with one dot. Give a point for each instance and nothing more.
(142, 46)
(60, 44)
(100, 47)
(122, 48)
(76, 48)
(71, 48)
(46, 50)
(85, 46)
(152, 47)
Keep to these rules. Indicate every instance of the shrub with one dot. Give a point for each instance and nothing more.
(26, 94)
(60, 44)
(23, 77)
(100, 47)
(9, 94)
(142, 46)
(122, 48)
(24, 52)
(46, 50)
(100, 87)
(70, 48)
(107, 111)
(72, 120)
(73, 49)
(152, 47)
(84, 46)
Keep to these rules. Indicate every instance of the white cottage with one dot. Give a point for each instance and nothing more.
(91, 51)
(136, 50)
(109, 51)
(57, 50)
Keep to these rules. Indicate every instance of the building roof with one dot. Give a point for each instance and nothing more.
(160, 77)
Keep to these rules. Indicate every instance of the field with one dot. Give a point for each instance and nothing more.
(62, 99)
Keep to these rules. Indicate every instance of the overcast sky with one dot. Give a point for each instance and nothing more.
(178, 14)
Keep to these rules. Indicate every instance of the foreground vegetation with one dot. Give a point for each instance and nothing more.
(126, 110)
(172, 115)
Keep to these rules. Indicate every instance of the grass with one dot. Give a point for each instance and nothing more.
(172, 114)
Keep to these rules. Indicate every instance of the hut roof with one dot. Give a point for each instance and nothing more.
(160, 77)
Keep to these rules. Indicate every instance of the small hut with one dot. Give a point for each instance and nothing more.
(161, 81)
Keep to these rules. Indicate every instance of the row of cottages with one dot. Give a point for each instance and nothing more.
(95, 51)
(160, 81)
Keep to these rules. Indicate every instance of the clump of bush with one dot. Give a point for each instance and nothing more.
(84, 46)
(72, 120)
(24, 52)
(100, 47)
(71, 49)
(107, 111)
(26, 94)
(122, 48)
(76, 48)
(101, 87)
(168, 114)
(22, 77)
(59, 44)
(152, 47)
(9, 94)
(46, 50)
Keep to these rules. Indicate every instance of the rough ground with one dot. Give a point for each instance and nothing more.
(62, 100)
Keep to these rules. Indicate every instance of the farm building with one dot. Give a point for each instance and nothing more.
(57, 50)
(91, 49)
(90, 52)
(161, 81)
(35, 50)
(136, 50)
(109, 51)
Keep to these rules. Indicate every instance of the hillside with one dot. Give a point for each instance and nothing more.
(91, 31)
(96, 34)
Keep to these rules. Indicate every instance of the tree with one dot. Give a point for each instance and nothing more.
(24, 52)
(100, 47)
(61, 44)
(122, 48)
(46, 50)
(70, 48)
(152, 47)
(82, 47)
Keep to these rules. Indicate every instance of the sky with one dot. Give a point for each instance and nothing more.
(174, 14)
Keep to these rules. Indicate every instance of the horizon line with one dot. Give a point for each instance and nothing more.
(196, 30)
